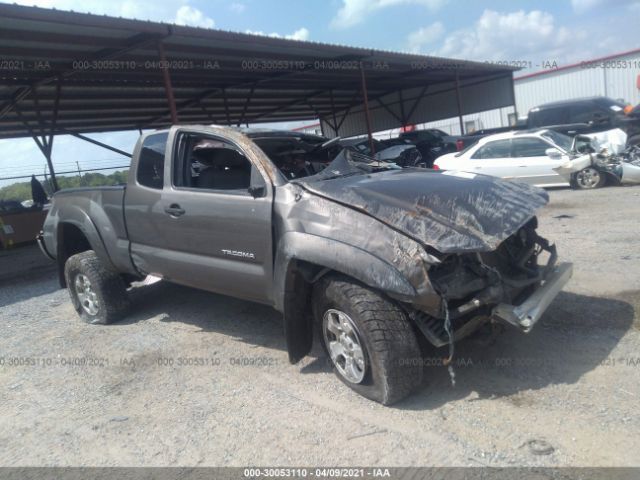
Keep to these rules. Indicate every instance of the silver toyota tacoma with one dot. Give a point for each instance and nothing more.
(366, 256)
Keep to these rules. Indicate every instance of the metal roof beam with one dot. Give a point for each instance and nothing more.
(134, 42)
(99, 144)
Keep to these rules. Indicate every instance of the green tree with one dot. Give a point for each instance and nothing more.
(22, 191)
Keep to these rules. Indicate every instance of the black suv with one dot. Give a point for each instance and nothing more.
(586, 115)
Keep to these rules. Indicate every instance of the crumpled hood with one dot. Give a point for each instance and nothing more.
(451, 211)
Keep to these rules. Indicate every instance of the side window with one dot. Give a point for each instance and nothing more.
(497, 149)
(151, 162)
(211, 164)
(582, 113)
(529, 147)
(549, 116)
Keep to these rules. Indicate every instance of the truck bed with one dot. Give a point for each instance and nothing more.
(95, 211)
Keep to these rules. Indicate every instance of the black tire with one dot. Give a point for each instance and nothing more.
(588, 179)
(391, 353)
(106, 287)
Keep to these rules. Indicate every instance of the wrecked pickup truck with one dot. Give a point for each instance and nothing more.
(363, 255)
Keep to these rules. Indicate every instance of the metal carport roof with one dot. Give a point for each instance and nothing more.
(74, 72)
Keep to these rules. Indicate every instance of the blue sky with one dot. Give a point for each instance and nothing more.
(542, 32)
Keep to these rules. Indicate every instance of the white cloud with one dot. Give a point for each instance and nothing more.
(353, 12)
(513, 36)
(425, 36)
(532, 40)
(188, 15)
(300, 34)
(237, 7)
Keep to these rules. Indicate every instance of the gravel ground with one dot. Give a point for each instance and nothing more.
(134, 393)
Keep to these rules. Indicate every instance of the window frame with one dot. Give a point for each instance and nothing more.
(552, 110)
(178, 163)
(473, 157)
(541, 140)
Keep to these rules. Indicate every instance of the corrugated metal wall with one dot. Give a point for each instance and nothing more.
(616, 79)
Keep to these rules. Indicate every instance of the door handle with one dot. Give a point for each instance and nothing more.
(174, 210)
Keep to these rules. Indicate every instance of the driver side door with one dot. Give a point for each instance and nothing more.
(533, 164)
(213, 219)
(493, 158)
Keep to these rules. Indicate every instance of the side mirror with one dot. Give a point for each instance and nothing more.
(553, 153)
(257, 191)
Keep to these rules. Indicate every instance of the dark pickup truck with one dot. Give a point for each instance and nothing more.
(374, 255)
(578, 116)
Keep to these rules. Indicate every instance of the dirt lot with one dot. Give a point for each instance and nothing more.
(135, 393)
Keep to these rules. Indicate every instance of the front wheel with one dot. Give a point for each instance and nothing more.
(98, 293)
(589, 178)
(371, 344)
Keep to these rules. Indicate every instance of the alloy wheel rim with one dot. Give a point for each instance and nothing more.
(86, 296)
(589, 177)
(344, 345)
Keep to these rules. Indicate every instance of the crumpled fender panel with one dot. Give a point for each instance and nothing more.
(574, 165)
(325, 233)
(450, 211)
(335, 237)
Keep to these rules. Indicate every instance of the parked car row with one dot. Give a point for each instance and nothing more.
(580, 116)
(546, 158)
(540, 151)
(526, 156)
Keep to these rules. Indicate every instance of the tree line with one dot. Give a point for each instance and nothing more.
(22, 191)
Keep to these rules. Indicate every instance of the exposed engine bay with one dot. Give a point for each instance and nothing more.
(305, 155)
(297, 156)
(624, 166)
(608, 154)
(473, 284)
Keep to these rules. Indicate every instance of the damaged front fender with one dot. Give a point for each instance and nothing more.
(317, 235)
(568, 169)
(330, 254)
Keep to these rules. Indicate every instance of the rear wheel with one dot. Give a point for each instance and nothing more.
(370, 341)
(589, 178)
(98, 293)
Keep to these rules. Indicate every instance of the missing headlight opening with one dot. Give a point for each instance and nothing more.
(472, 285)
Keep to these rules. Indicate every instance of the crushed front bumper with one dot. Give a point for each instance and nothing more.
(525, 315)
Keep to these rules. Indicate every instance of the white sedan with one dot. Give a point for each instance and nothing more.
(525, 156)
